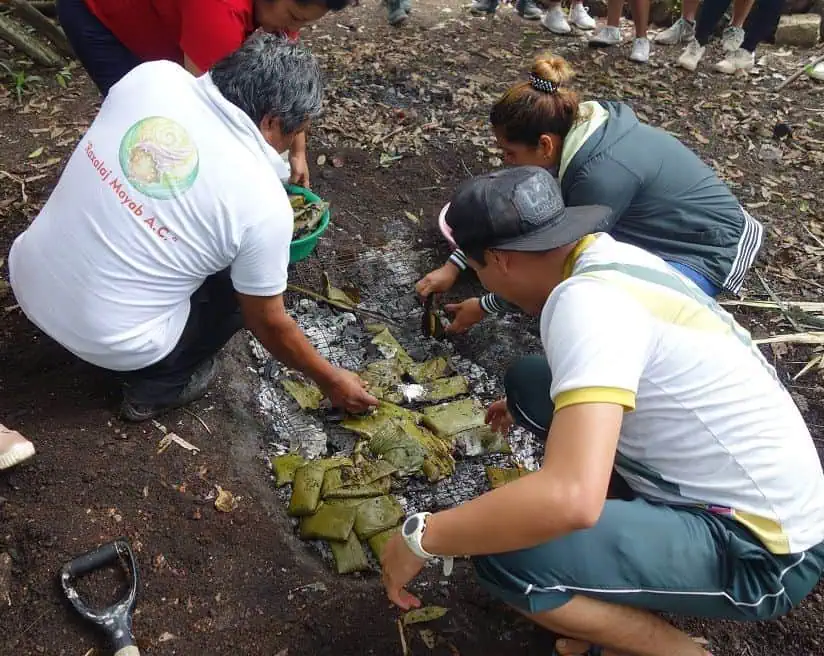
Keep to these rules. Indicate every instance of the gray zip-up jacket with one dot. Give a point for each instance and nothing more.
(664, 199)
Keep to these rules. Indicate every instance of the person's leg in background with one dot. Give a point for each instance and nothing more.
(184, 375)
(710, 14)
(528, 10)
(397, 11)
(480, 7)
(682, 30)
(640, 17)
(104, 57)
(609, 34)
(557, 22)
(764, 17)
(527, 384)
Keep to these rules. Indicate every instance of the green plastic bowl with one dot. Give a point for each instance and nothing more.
(302, 248)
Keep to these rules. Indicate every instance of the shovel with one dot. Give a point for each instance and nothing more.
(116, 620)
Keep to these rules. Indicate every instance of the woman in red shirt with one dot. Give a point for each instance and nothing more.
(111, 37)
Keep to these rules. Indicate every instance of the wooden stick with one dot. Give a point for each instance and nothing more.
(799, 73)
(342, 306)
(43, 25)
(780, 305)
(812, 307)
(796, 338)
(13, 33)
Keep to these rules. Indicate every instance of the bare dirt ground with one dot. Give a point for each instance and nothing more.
(405, 122)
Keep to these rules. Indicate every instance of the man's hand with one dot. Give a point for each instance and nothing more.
(467, 314)
(399, 566)
(300, 169)
(498, 417)
(347, 390)
(438, 281)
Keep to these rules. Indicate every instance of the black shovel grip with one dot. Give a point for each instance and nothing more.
(92, 560)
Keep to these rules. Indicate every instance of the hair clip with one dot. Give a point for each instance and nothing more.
(540, 84)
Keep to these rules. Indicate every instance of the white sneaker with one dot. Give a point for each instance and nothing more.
(682, 31)
(640, 50)
(732, 38)
(606, 36)
(555, 20)
(693, 54)
(580, 18)
(740, 60)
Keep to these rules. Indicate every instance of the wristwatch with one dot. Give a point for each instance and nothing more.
(412, 532)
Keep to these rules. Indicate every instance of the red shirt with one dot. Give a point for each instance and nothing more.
(205, 30)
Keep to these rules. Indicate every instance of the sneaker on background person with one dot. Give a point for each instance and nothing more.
(557, 21)
(579, 16)
(692, 56)
(681, 31)
(14, 448)
(740, 60)
(640, 50)
(528, 10)
(479, 7)
(732, 38)
(606, 36)
(397, 12)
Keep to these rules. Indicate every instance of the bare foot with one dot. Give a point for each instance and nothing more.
(14, 448)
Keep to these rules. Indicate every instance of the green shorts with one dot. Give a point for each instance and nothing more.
(684, 561)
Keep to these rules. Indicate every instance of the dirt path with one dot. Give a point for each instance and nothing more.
(405, 121)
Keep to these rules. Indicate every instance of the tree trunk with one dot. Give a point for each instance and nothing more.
(45, 26)
(47, 8)
(13, 33)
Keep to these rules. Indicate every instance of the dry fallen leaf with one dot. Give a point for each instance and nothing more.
(225, 501)
(321, 160)
(36, 153)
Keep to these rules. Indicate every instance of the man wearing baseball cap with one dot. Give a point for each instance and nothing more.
(645, 374)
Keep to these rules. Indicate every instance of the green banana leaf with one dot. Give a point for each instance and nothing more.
(349, 556)
(377, 542)
(330, 522)
(308, 395)
(285, 466)
(500, 476)
(426, 372)
(447, 419)
(376, 515)
(306, 489)
(388, 345)
(480, 441)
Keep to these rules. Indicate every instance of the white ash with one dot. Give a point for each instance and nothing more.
(386, 277)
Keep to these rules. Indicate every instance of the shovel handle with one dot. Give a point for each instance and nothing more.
(93, 560)
(131, 650)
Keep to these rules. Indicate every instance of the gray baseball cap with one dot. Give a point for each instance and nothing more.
(518, 209)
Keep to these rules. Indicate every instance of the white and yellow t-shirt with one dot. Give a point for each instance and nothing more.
(708, 423)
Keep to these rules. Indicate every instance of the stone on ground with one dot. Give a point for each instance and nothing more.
(798, 30)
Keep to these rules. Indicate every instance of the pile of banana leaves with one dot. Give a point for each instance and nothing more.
(425, 415)
(308, 215)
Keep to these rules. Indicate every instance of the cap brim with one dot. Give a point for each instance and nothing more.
(446, 231)
(578, 222)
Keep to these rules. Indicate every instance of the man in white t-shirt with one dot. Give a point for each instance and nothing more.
(170, 229)
(645, 374)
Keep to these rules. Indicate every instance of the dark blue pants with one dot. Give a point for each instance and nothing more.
(104, 57)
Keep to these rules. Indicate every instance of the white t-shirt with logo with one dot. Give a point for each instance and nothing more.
(708, 423)
(172, 183)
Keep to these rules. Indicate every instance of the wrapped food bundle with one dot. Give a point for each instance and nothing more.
(308, 215)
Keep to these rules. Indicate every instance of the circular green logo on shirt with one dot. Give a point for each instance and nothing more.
(159, 158)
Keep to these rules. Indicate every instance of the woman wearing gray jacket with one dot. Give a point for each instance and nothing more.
(663, 198)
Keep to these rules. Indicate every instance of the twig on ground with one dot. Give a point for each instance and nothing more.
(793, 338)
(466, 168)
(817, 239)
(196, 416)
(799, 72)
(812, 307)
(19, 181)
(357, 310)
(404, 647)
(817, 361)
(789, 317)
